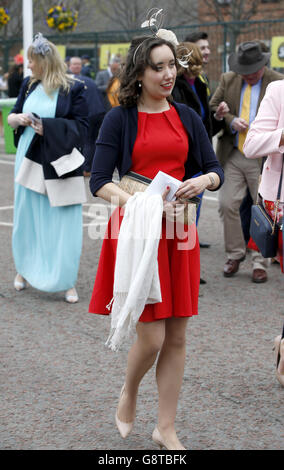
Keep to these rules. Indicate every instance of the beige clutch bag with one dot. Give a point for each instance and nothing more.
(132, 183)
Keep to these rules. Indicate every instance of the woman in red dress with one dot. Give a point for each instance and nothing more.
(148, 133)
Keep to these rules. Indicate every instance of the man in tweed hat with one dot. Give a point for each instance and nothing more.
(242, 89)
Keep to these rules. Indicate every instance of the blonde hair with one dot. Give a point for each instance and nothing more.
(52, 68)
(194, 61)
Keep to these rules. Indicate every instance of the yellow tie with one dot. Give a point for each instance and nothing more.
(244, 115)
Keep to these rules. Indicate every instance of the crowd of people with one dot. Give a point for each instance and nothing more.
(153, 111)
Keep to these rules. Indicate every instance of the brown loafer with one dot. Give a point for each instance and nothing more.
(232, 266)
(259, 275)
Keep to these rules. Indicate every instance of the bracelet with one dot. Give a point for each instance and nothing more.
(212, 181)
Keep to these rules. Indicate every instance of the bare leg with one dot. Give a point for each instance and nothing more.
(279, 349)
(169, 373)
(141, 357)
(281, 362)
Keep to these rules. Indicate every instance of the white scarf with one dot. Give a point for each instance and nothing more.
(136, 276)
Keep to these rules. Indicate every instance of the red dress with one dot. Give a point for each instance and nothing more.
(179, 269)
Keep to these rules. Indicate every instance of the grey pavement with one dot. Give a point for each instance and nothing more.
(60, 384)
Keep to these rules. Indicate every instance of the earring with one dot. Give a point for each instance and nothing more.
(139, 84)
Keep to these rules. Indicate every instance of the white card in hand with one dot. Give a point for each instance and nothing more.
(159, 185)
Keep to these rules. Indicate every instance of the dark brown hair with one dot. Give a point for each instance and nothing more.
(196, 36)
(137, 60)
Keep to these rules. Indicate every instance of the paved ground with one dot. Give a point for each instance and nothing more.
(60, 384)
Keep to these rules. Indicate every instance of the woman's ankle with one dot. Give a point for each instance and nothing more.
(169, 435)
(126, 409)
(166, 429)
(281, 362)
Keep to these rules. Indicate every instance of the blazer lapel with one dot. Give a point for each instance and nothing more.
(264, 83)
(237, 88)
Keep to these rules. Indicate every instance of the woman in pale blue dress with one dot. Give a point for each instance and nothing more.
(47, 240)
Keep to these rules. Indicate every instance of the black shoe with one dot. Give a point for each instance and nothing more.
(204, 245)
(202, 281)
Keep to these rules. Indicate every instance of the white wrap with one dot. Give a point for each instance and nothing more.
(136, 277)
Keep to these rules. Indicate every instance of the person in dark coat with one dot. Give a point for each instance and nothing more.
(96, 111)
(86, 66)
(15, 79)
(191, 90)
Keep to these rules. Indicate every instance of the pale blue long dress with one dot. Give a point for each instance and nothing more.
(46, 241)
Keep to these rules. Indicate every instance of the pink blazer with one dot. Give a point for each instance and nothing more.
(263, 139)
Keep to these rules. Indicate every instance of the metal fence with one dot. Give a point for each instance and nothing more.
(223, 38)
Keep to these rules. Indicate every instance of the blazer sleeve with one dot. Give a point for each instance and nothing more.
(264, 134)
(79, 111)
(108, 150)
(201, 155)
(18, 106)
(218, 97)
(208, 157)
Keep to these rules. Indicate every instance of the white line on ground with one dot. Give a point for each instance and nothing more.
(5, 208)
(6, 162)
(99, 224)
(6, 224)
(10, 224)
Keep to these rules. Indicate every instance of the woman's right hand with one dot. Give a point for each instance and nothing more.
(172, 209)
(21, 119)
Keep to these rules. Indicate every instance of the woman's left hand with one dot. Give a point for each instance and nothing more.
(192, 187)
(38, 127)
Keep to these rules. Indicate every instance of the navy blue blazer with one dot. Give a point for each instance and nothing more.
(70, 105)
(117, 136)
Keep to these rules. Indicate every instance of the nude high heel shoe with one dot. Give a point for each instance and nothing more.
(157, 438)
(71, 296)
(124, 428)
(19, 282)
(278, 348)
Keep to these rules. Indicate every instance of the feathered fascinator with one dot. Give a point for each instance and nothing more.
(40, 45)
(155, 18)
(184, 57)
(168, 36)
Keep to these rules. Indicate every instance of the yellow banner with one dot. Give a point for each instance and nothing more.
(277, 51)
(62, 51)
(108, 50)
